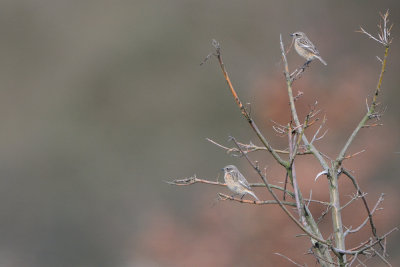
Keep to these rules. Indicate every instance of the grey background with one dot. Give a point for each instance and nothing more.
(101, 101)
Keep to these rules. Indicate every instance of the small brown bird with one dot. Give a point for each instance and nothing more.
(305, 48)
(236, 182)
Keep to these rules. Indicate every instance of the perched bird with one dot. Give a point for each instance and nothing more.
(305, 47)
(236, 182)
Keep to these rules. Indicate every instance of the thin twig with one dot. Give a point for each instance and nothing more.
(355, 154)
(219, 145)
(292, 174)
(283, 256)
(252, 148)
(243, 109)
(328, 208)
(311, 223)
(385, 40)
(317, 132)
(264, 178)
(362, 263)
(372, 125)
(353, 260)
(354, 198)
(381, 257)
(371, 222)
(362, 250)
(265, 202)
(361, 245)
(322, 259)
(309, 146)
(194, 180)
(369, 218)
(285, 186)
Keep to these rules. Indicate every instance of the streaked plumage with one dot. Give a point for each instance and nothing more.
(305, 48)
(236, 182)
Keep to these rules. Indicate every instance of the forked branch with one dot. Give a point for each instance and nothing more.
(242, 108)
(384, 38)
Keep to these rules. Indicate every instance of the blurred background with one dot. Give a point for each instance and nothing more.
(103, 101)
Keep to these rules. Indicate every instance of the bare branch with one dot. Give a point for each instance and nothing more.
(328, 208)
(381, 257)
(372, 125)
(315, 138)
(297, 73)
(384, 37)
(352, 178)
(247, 148)
(385, 40)
(355, 154)
(310, 146)
(296, 145)
(292, 174)
(194, 180)
(264, 178)
(283, 256)
(353, 260)
(369, 218)
(265, 202)
(243, 109)
(285, 186)
(322, 259)
(361, 245)
(364, 249)
(219, 145)
(369, 35)
(353, 198)
(299, 145)
(317, 201)
(360, 262)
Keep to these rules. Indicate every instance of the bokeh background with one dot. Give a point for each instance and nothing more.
(103, 101)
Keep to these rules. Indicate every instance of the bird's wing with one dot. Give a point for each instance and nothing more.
(244, 182)
(307, 44)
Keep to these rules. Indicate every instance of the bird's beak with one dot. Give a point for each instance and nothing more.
(292, 34)
(223, 169)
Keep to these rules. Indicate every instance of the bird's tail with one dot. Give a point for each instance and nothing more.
(320, 59)
(254, 195)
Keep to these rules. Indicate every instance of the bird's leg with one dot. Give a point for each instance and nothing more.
(296, 74)
(303, 68)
